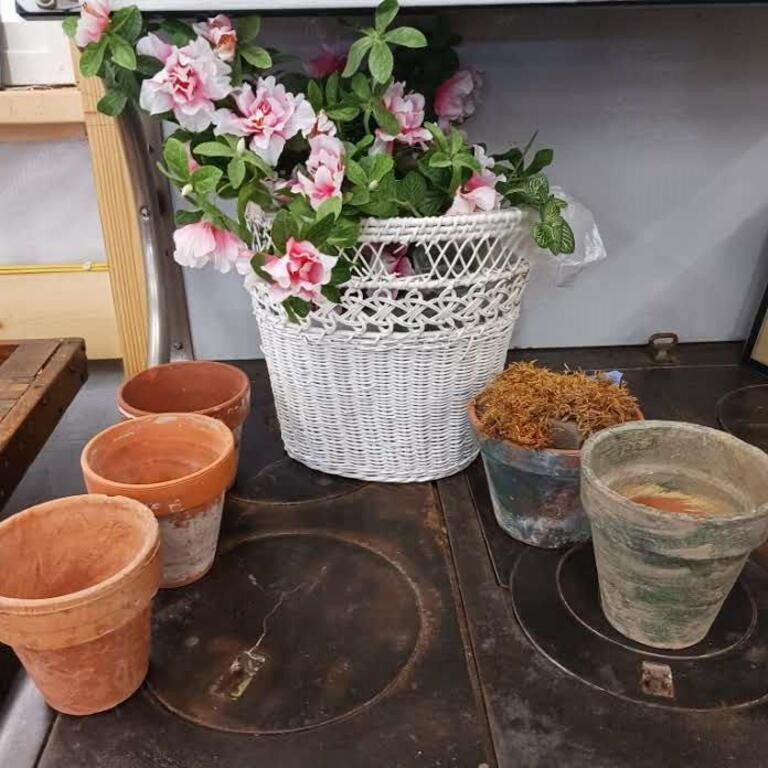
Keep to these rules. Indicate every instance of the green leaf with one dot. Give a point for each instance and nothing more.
(357, 196)
(440, 160)
(296, 307)
(248, 28)
(567, 240)
(537, 189)
(437, 135)
(342, 270)
(236, 171)
(543, 235)
(256, 56)
(455, 141)
(175, 156)
(332, 88)
(408, 37)
(178, 32)
(355, 173)
(69, 25)
(385, 14)
(332, 293)
(212, 149)
(187, 217)
(206, 179)
(376, 167)
(414, 187)
(112, 103)
(361, 87)
(315, 95)
(343, 114)
(343, 236)
(122, 52)
(283, 227)
(127, 23)
(357, 52)
(148, 66)
(318, 233)
(251, 158)
(365, 142)
(329, 210)
(541, 159)
(386, 120)
(381, 62)
(433, 204)
(93, 58)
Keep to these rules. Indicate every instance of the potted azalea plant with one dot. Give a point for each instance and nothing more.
(380, 247)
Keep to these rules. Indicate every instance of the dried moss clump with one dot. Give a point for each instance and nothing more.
(520, 404)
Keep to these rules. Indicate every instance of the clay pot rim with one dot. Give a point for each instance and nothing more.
(639, 510)
(143, 558)
(474, 420)
(121, 489)
(131, 411)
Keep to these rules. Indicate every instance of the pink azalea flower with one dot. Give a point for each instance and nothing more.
(93, 22)
(152, 45)
(270, 116)
(201, 243)
(455, 97)
(396, 261)
(191, 80)
(302, 271)
(332, 58)
(479, 192)
(325, 164)
(220, 33)
(192, 164)
(323, 125)
(409, 111)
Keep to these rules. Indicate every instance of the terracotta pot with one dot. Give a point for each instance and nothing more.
(77, 579)
(180, 466)
(665, 567)
(196, 386)
(535, 493)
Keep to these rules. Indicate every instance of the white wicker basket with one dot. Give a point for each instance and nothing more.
(376, 387)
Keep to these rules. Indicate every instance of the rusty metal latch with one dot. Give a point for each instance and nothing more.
(662, 347)
(656, 680)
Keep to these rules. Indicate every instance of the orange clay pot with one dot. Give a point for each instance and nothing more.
(179, 465)
(77, 580)
(196, 386)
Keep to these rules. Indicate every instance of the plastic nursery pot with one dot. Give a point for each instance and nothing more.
(180, 466)
(667, 558)
(196, 386)
(76, 585)
(535, 493)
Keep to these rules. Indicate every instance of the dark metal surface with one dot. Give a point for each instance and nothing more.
(555, 599)
(362, 662)
(541, 716)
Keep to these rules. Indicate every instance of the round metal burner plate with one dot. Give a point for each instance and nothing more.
(556, 600)
(287, 632)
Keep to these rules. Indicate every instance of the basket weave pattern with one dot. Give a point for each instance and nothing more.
(376, 387)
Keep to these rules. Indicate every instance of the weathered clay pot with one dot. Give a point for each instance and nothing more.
(535, 493)
(196, 386)
(665, 574)
(180, 466)
(77, 580)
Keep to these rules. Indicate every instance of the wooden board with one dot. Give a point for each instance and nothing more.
(38, 380)
(72, 303)
(41, 114)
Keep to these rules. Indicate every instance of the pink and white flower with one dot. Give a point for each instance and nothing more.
(93, 22)
(455, 97)
(326, 168)
(408, 109)
(323, 125)
(154, 46)
(302, 271)
(396, 261)
(220, 33)
(192, 164)
(479, 192)
(192, 78)
(269, 116)
(332, 58)
(201, 243)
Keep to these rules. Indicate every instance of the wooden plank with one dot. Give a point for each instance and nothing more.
(59, 371)
(41, 106)
(119, 223)
(77, 303)
(42, 132)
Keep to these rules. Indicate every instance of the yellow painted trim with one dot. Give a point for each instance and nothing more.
(52, 269)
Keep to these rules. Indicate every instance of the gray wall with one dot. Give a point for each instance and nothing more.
(659, 118)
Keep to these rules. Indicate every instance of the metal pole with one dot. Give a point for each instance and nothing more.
(168, 332)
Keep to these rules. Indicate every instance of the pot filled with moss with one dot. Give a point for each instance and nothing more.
(530, 423)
